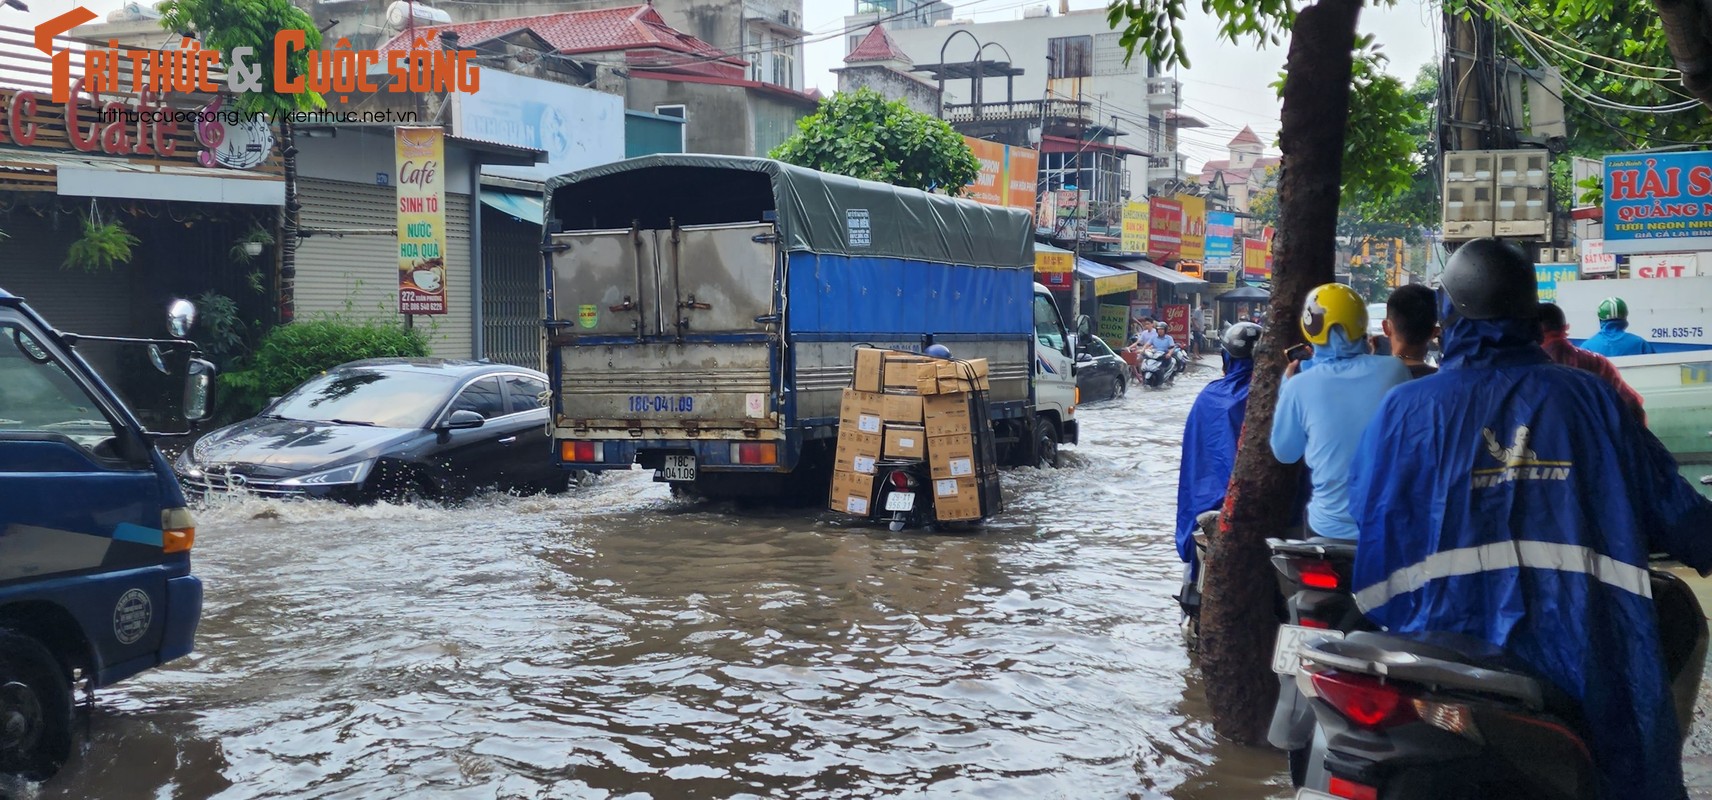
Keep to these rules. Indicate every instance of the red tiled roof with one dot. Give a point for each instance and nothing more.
(876, 46)
(1247, 137)
(601, 30)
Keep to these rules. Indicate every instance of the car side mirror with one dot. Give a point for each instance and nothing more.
(463, 419)
(1084, 358)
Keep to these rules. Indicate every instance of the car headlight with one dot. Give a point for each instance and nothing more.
(184, 466)
(350, 473)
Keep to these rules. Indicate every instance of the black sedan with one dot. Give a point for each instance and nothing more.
(387, 428)
(1100, 373)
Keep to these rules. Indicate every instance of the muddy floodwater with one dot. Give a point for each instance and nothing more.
(616, 642)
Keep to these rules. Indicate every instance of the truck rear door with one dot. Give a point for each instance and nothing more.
(666, 331)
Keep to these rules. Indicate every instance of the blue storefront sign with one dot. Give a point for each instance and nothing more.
(1658, 202)
(1548, 276)
(1221, 239)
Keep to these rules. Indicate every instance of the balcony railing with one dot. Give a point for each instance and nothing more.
(1003, 111)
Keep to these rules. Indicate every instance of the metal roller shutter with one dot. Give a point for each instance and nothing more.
(512, 301)
(98, 304)
(357, 276)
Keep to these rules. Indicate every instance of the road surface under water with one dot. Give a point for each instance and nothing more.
(616, 642)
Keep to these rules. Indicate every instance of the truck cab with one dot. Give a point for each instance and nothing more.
(95, 538)
(1054, 389)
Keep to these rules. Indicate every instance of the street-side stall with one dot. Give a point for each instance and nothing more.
(1105, 287)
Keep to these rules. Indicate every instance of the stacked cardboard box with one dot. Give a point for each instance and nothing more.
(905, 407)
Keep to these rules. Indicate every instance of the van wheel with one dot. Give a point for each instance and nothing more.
(1045, 443)
(35, 709)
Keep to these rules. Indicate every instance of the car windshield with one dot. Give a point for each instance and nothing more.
(368, 396)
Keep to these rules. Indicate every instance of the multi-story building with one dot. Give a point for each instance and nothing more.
(1244, 173)
(896, 15)
(1059, 82)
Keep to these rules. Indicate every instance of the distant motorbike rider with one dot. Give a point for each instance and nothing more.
(1514, 500)
(1613, 338)
(1164, 345)
(1210, 438)
(1322, 410)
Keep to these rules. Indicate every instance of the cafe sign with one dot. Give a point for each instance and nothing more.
(421, 179)
(145, 126)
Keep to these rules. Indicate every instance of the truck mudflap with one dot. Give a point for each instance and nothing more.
(1072, 432)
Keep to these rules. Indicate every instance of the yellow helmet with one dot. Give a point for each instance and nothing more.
(1333, 304)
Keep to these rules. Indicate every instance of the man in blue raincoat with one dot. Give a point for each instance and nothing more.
(1514, 500)
(1210, 438)
(1614, 338)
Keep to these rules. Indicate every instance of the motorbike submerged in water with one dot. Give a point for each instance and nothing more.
(1159, 369)
(1449, 717)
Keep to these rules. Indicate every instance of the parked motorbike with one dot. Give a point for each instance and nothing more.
(906, 496)
(1158, 369)
(1410, 717)
(1314, 579)
(1195, 580)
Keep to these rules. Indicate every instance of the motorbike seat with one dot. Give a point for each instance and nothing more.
(1447, 661)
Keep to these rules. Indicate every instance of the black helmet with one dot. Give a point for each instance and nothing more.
(1239, 339)
(1492, 279)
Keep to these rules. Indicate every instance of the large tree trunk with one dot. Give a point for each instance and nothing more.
(1685, 26)
(1237, 621)
(289, 226)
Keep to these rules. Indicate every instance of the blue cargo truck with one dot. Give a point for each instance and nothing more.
(702, 315)
(95, 539)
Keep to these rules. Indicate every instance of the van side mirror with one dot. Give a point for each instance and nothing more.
(463, 419)
(180, 317)
(199, 391)
(1084, 325)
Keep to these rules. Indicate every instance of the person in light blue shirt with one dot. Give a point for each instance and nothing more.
(1323, 410)
(1162, 340)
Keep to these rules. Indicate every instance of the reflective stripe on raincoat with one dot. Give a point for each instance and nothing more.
(1210, 439)
(1513, 500)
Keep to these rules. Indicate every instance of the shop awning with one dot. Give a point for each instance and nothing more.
(77, 175)
(1107, 280)
(1051, 259)
(1151, 270)
(527, 208)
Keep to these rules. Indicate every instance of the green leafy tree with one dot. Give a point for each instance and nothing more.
(226, 25)
(863, 135)
(1321, 75)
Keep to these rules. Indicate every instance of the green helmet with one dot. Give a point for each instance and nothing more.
(1613, 308)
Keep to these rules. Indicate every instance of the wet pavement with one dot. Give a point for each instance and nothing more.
(616, 642)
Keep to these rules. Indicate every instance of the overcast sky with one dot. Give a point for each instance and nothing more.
(1227, 87)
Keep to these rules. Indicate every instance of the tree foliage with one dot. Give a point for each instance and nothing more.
(1613, 51)
(226, 25)
(863, 135)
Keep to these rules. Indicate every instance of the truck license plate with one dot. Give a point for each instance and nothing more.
(900, 501)
(677, 469)
(1287, 654)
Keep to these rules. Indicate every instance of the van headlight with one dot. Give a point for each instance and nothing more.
(350, 473)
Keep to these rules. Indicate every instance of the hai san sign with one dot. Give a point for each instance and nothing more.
(1658, 202)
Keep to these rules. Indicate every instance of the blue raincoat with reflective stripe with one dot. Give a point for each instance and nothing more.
(1514, 500)
(1210, 439)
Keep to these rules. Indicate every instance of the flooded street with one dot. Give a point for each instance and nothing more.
(616, 642)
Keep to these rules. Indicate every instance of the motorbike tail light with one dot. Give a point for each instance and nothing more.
(581, 452)
(1310, 622)
(1350, 790)
(900, 480)
(1365, 700)
(746, 453)
(1316, 574)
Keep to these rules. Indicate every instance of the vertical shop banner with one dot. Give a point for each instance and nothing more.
(1254, 260)
(421, 181)
(1221, 230)
(1177, 322)
(1164, 229)
(1114, 324)
(1194, 238)
(1134, 238)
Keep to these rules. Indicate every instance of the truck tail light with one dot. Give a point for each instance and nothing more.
(744, 453)
(178, 530)
(581, 452)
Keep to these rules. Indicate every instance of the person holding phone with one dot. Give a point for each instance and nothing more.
(1322, 411)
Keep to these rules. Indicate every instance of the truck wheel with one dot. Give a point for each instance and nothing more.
(35, 709)
(1045, 443)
